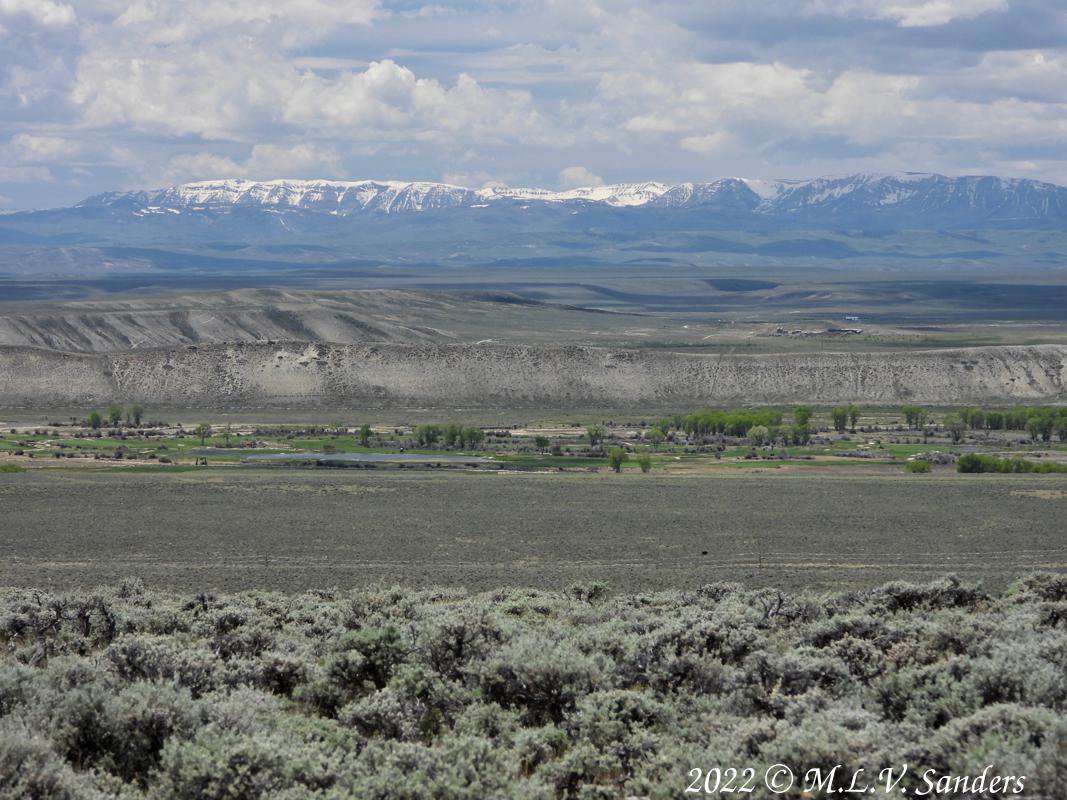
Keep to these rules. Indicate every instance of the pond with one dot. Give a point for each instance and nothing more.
(416, 457)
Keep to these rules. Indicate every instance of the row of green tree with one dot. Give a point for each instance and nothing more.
(763, 426)
(451, 435)
(736, 422)
(617, 456)
(845, 417)
(1041, 422)
(133, 414)
(981, 462)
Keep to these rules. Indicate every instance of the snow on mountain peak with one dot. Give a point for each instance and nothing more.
(830, 197)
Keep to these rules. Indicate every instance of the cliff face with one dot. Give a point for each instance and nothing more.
(309, 375)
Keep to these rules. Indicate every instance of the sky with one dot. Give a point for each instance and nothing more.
(102, 95)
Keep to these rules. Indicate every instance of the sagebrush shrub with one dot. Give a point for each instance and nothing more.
(390, 693)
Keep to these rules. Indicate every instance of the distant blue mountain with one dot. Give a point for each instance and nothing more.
(893, 201)
(206, 224)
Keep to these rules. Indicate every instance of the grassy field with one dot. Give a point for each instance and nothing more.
(297, 529)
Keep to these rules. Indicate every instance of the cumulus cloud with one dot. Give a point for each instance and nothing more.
(25, 175)
(192, 91)
(239, 93)
(477, 178)
(220, 70)
(703, 93)
(387, 96)
(289, 23)
(578, 177)
(31, 148)
(768, 104)
(195, 166)
(46, 13)
(706, 144)
(909, 13)
(264, 162)
(125, 91)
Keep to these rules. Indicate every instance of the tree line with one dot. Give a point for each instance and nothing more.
(133, 414)
(1040, 422)
(761, 425)
(451, 435)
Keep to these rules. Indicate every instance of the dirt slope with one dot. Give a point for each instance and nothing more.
(115, 324)
(309, 375)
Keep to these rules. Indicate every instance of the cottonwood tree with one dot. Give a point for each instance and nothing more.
(427, 435)
(595, 434)
(364, 434)
(656, 435)
(134, 414)
(840, 417)
(1040, 426)
(202, 431)
(473, 436)
(955, 426)
(974, 418)
(802, 415)
(759, 435)
(853, 416)
(799, 434)
(616, 458)
(452, 435)
(914, 416)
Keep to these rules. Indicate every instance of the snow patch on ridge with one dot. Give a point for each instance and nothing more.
(913, 192)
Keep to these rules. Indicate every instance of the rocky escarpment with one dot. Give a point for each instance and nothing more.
(264, 315)
(309, 375)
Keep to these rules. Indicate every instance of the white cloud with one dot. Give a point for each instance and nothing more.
(909, 13)
(185, 91)
(476, 179)
(867, 106)
(389, 97)
(289, 23)
(47, 13)
(25, 175)
(762, 104)
(30, 148)
(239, 93)
(196, 167)
(517, 90)
(705, 93)
(578, 177)
(265, 161)
(300, 160)
(707, 144)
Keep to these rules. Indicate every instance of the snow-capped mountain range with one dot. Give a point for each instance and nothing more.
(907, 196)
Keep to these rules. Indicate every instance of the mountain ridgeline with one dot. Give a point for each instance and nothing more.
(243, 227)
(903, 200)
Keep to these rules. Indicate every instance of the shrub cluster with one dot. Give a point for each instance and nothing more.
(982, 462)
(392, 693)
